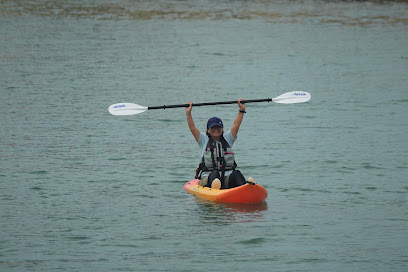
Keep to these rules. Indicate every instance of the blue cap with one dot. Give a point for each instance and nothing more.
(214, 121)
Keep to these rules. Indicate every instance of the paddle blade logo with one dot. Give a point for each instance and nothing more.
(119, 106)
(126, 109)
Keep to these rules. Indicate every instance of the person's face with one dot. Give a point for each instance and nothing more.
(215, 131)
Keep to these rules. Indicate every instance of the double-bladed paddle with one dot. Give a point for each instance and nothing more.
(131, 108)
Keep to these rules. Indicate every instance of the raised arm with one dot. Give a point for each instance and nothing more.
(190, 122)
(238, 119)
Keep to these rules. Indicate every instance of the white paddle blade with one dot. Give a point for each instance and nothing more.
(126, 109)
(292, 98)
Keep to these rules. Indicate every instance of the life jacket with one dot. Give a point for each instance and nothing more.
(217, 156)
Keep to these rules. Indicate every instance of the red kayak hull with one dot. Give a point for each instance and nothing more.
(248, 193)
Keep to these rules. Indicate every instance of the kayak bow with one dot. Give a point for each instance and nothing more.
(249, 193)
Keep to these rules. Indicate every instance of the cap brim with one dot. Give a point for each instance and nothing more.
(213, 125)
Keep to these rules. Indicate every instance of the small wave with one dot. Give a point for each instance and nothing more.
(39, 172)
(117, 159)
(371, 167)
(306, 190)
(253, 241)
(167, 120)
(352, 193)
(218, 54)
(331, 161)
(80, 238)
(178, 181)
(128, 245)
(371, 188)
(147, 196)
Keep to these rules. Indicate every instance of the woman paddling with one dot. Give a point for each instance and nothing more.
(217, 167)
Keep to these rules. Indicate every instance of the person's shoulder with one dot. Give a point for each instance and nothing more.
(228, 134)
(203, 139)
(229, 138)
(202, 135)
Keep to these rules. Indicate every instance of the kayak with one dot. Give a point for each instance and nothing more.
(249, 193)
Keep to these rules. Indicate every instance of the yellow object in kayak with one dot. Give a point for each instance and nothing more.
(249, 193)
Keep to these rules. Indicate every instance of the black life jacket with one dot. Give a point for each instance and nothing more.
(217, 156)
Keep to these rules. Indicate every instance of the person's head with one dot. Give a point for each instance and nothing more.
(215, 127)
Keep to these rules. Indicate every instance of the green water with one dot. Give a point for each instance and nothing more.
(82, 190)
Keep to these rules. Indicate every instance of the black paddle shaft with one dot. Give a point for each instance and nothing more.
(209, 104)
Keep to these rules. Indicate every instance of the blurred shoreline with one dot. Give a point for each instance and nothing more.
(351, 13)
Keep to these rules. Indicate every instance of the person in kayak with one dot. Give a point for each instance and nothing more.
(217, 167)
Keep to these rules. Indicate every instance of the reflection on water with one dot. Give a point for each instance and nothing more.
(225, 213)
(349, 13)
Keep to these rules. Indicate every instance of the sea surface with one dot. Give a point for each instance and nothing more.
(82, 190)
